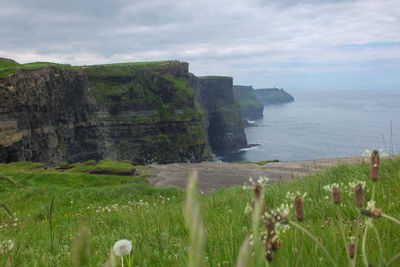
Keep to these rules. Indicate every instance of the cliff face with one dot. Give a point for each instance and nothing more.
(225, 129)
(250, 107)
(143, 113)
(273, 96)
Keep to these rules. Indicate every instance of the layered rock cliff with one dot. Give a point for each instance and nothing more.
(250, 106)
(273, 96)
(139, 112)
(223, 121)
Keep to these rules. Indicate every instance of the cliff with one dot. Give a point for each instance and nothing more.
(273, 96)
(223, 121)
(143, 112)
(250, 107)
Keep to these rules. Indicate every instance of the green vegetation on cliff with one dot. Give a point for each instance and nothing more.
(50, 212)
(140, 83)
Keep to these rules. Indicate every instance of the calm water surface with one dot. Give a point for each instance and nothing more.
(325, 124)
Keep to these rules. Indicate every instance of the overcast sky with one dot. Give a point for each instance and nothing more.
(314, 44)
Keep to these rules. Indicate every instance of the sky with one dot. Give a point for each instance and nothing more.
(296, 45)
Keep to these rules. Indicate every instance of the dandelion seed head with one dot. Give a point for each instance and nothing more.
(122, 247)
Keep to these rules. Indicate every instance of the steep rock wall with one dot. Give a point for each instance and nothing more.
(250, 107)
(140, 113)
(223, 121)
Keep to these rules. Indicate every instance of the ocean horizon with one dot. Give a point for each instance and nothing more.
(324, 124)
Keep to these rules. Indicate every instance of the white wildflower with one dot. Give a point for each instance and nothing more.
(371, 205)
(262, 181)
(286, 227)
(292, 195)
(10, 244)
(248, 208)
(122, 247)
(354, 183)
(330, 187)
(366, 153)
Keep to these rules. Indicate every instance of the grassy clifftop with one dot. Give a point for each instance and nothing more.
(7, 68)
(10, 67)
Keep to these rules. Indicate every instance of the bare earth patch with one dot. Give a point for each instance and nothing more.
(213, 176)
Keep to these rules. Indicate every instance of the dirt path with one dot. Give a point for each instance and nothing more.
(216, 175)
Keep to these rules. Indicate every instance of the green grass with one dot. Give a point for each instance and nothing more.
(37, 175)
(7, 68)
(157, 229)
(146, 64)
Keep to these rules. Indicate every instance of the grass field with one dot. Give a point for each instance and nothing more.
(7, 67)
(50, 212)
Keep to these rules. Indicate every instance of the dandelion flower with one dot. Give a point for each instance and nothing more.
(122, 247)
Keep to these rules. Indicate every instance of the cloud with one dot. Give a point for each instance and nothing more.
(241, 38)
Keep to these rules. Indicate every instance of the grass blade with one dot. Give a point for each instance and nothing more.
(244, 254)
(315, 240)
(194, 223)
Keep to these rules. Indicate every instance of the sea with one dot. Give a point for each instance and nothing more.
(325, 124)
